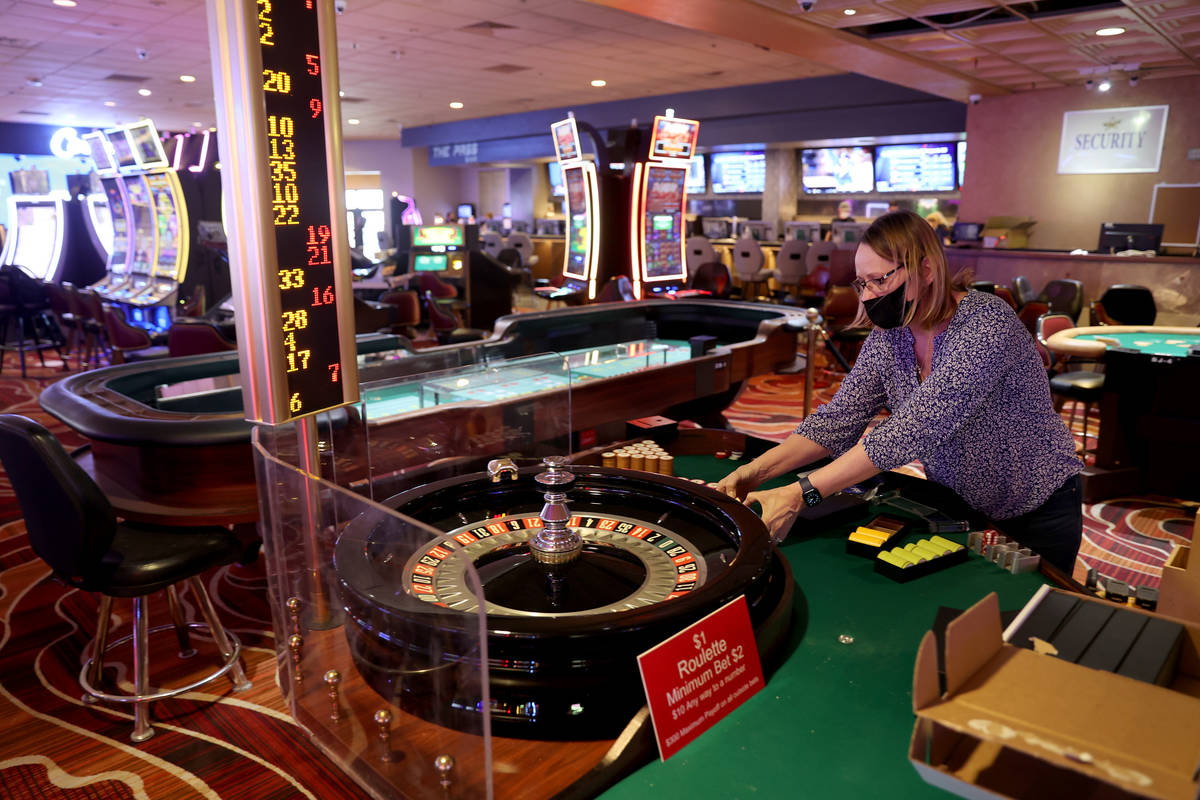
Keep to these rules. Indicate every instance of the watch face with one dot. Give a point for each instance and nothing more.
(812, 497)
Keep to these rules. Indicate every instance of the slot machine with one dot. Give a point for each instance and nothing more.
(120, 255)
(46, 232)
(659, 203)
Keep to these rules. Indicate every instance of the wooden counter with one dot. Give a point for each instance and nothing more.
(1175, 281)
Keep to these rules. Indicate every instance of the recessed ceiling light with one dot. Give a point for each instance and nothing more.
(197, 124)
(1114, 31)
(109, 103)
(352, 121)
(144, 92)
(187, 78)
(213, 129)
(65, 3)
(1104, 86)
(599, 83)
(456, 104)
(341, 93)
(849, 12)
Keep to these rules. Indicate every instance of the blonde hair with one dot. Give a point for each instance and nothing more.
(936, 218)
(908, 241)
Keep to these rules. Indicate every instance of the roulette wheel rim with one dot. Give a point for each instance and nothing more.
(538, 663)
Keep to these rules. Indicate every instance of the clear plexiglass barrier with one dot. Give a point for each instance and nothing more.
(378, 610)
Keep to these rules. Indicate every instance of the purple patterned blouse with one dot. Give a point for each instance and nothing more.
(981, 423)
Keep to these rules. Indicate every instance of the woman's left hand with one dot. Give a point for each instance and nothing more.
(779, 508)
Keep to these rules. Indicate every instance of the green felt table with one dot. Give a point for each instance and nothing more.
(1148, 341)
(835, 719)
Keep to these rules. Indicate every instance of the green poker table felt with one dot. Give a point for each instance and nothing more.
(834, 720)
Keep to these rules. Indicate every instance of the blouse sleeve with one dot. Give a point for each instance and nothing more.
(975, 359)
(838, 424)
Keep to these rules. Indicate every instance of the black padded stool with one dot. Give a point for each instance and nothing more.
(72, 527)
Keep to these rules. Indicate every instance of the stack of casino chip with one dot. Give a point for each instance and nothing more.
(646, 456)
(919, 552)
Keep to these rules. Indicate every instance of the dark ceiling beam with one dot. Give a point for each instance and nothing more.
(759, 25)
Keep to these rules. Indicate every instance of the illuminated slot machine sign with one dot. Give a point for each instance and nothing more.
(659, 206)
(306, 344)
(580, 267)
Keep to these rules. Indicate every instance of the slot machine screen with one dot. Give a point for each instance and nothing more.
(915, 167)
(837, 170)
(739, 173)
(102, 159)
(37, 234)
(432, 235)
(430, 262)
(697, 182)
(672, 137)
(663, 222)
(578, 229)
(566, 140)
(118, 255)
(147, 147)
(166, 217)
(122, 151)
(143, 228)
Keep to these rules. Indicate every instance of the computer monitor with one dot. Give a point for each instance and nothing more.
(717, 227)
(967, 232)
(1118, 236)
(465, 211)
(848, 232)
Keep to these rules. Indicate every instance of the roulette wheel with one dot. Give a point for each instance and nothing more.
(580, 570)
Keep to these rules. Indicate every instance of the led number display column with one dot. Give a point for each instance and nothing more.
(280, 140)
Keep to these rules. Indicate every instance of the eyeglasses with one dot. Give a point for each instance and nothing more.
(878, 284)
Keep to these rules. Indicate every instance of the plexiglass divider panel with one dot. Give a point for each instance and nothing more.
(381, 636)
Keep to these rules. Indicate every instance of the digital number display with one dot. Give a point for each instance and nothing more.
(307, 330)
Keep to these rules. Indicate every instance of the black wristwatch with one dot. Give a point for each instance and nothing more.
(812, 495)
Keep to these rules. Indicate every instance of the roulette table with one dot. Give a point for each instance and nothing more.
(837, 639)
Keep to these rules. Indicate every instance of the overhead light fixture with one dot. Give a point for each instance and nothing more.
(197, 124)
(109, 103)
(213, 129)
(599, 83)
(455, 104)
(1105, 85)
(1089, 84)
(65, 3)
(187, 78)
(144, 92)
(34, 82)
(341, 93)
(1133, 80)
(849, 12)
(352, 121)
(1113, 31)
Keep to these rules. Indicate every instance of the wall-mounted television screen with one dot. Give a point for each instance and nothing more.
(837, 170)
(556, 180)
(739, 173)
(696, 183)
(962, 162)
(921, 167)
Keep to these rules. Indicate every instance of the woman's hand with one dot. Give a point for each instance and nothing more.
(779, 508)
(740, 482)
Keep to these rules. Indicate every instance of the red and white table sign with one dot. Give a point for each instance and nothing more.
(700, 674)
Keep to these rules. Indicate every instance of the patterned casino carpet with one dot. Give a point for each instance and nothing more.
(215, 745)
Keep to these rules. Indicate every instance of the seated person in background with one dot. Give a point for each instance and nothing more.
(941, 225)
(843, 215)
(893, 206)
(968, 398)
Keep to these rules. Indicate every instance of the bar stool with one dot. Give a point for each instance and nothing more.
(72, 527)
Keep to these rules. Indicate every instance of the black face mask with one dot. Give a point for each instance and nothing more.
(889, 310)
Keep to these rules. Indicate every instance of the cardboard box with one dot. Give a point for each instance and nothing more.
(1013, 723)
(1007, 232)
(1179, 591)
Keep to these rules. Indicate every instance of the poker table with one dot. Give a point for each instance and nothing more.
(1149, 409)
(834, 719)
(169, 444)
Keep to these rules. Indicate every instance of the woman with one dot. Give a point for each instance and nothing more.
(968, 396)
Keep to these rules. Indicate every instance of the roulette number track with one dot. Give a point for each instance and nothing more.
(657, 554)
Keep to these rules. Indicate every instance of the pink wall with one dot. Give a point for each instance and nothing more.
(1012, 160)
